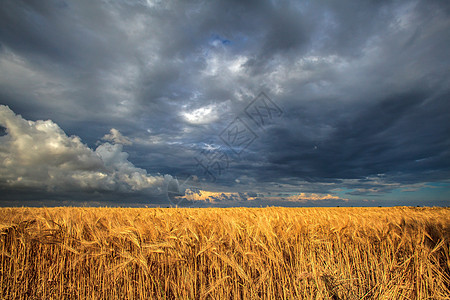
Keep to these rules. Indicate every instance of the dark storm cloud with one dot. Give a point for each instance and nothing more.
(405, 133)
(363, 85)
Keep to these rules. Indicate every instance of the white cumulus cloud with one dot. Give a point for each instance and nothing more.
(116, 137)
(39, 154)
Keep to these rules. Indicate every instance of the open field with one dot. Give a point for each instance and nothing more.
(236, 253)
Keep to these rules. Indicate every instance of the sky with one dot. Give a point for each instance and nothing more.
(224, 103)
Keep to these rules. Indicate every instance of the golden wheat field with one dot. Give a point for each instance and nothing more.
(232, 253)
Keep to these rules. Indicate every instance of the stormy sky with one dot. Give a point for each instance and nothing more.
(224, 103)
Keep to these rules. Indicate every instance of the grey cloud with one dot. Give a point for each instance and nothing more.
(363, 86)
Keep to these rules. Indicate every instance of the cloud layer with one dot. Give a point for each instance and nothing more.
(363, 87)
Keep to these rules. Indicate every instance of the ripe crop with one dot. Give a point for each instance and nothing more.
(225, 253)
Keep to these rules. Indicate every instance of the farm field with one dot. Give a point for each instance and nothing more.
(225, 253)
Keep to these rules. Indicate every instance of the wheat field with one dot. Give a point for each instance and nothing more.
(218, 253)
